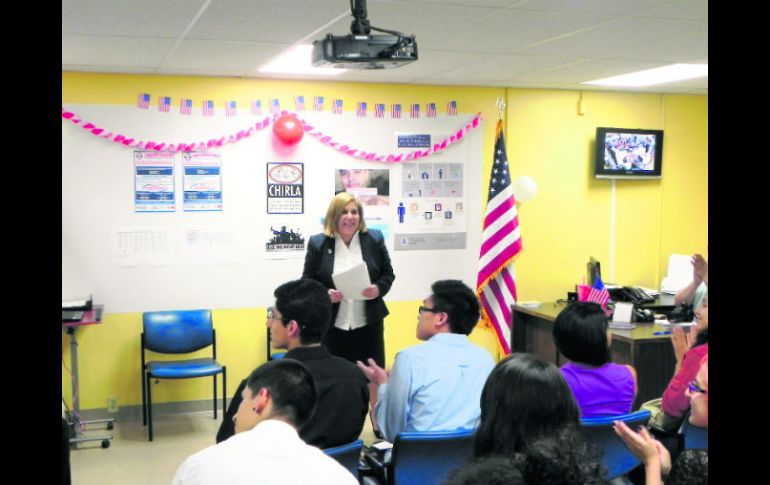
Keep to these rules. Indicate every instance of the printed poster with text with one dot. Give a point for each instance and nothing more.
(202, 181)
(154, 181)
(285, 188)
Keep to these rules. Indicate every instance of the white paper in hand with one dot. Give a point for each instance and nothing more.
(352, 281)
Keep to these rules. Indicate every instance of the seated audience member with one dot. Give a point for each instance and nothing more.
(689, 349)
(298, 322)
(562, 460)
(436, 385)
(694, 292)
(601, 388)
(279, 397)
(524, 400)
(691, 467)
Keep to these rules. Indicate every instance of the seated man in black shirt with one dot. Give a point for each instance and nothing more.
(298, 322)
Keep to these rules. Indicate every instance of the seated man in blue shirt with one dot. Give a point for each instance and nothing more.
(436, 385)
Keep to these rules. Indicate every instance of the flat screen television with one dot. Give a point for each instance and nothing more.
(628, 153)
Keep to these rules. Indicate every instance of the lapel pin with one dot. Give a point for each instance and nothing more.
(329, 251)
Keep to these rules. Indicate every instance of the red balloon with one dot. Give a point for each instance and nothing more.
(288, 129)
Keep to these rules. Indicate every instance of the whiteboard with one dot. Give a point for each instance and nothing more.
(217, 259)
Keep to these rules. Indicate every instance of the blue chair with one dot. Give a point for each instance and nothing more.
(348, 455)
(615, 456)
(178, 332)
(426, 458)
(694, 437)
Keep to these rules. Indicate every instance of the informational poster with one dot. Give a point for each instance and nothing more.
(205, 245)
(370, 186)
(431, 213)
(285, 188)
(202, 181)
(154, 181)
(141, 246)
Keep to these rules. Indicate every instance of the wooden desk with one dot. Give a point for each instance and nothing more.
(651, 355)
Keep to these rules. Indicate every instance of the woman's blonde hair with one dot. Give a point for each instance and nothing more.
(334, 212)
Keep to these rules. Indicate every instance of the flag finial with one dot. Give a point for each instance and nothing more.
(500, 107)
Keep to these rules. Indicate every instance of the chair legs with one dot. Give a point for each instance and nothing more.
(224, 393)
(144, 398)
(149, 404)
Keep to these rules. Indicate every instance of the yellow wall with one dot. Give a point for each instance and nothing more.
(546, 139)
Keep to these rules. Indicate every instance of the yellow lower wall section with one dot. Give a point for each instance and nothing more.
(109, 359)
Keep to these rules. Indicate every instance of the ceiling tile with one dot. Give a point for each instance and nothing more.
(214, 54)
(138, 18)
(113, 50)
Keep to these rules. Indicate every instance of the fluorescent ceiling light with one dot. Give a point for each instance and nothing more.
(297, 61)
(659, 75)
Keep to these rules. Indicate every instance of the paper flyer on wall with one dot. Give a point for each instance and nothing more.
(154, 181)
(202, 181)
(285, 188)
(284, 238)
(142, 246)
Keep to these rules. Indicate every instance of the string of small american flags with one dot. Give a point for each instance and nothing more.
(208, 107)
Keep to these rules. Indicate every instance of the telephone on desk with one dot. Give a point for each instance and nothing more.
(630, 294)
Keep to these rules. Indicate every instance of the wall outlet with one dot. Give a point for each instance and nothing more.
(112, 404)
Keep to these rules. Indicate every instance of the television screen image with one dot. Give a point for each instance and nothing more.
(628, 153)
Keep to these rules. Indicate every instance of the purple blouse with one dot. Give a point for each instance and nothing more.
(600, 391)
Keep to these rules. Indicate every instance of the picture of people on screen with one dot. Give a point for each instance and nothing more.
(370, 186)
(629, 151)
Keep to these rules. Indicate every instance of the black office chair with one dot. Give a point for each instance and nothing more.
(179, 332)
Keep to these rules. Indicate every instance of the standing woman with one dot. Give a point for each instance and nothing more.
(357, 325)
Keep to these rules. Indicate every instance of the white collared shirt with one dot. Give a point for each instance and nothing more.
(352, 313)
(271, 453)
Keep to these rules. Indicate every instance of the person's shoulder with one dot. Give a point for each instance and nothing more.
(375, 234)
(318, 240)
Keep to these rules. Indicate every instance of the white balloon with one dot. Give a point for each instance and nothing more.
(524, 188)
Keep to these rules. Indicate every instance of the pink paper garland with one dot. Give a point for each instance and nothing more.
(261, 125)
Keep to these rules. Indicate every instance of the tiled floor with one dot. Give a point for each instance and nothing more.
(132, 460)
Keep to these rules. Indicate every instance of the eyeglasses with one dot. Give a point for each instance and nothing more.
(694, 387)
(271, 315)
(424, 309)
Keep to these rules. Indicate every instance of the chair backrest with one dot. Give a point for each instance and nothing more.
(615, 456)
(348, 455)
(695, 437)
(427, 458)
(178, 331)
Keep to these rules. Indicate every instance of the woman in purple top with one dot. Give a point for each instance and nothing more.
(601, 388)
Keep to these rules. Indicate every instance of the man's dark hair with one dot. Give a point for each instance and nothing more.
(580, 333)
(524, 400)
(291, 386)
(691, 467)
(307, 302)
(459, 303)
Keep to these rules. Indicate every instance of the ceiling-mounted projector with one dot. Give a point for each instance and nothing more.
(360, 50)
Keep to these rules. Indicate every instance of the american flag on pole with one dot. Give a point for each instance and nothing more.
(361, 109)
(415, 111)
(164, 104)
(256, 107)
(143, 101)
(451, 108)
(337, 106)
(379, 110)
(599, 293)
(299, 103)
(395, 111)
(231, 109)
(275, 106)
(318, 103)
(431, 110)
(500, 242)
(208, 108)
(185, 106)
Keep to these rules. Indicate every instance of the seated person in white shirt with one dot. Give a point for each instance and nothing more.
(278, 398)
(436, 385)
